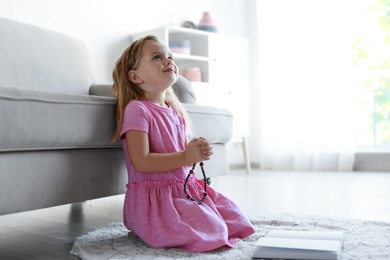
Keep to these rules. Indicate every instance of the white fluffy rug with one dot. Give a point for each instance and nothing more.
(362, 240)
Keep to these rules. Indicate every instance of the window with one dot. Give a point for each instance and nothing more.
(371, 46)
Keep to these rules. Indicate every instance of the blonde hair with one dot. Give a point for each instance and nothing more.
(125, 90)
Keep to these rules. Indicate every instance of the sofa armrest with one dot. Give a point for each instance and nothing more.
(184, 90)
(213, 123)
(100, 90)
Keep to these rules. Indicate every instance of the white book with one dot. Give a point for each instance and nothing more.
(322, 245)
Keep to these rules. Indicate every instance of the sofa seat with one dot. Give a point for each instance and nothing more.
(44, 120)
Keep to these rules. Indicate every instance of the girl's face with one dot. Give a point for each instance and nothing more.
(156, 71)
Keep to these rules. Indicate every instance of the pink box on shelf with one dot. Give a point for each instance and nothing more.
(182, 46)
(192, 74)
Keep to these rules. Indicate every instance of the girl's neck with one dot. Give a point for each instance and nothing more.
(158, 101)
(157, 97)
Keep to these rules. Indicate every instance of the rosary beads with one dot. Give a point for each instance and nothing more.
(188, 195)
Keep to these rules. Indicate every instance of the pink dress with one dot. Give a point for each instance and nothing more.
(155, 206)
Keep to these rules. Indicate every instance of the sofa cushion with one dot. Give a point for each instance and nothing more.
(103, 90)
(41, 120)
(36, 58)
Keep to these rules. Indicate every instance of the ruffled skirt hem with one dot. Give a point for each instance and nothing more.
(161, 214)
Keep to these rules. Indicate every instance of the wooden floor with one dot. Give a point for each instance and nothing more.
(49, 233)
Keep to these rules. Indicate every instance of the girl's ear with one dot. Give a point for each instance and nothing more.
(133, 77)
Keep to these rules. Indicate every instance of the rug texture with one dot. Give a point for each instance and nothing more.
(362, 240)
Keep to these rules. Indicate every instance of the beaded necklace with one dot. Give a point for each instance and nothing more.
(187, 193)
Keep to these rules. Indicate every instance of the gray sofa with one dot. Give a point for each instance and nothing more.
(56, 123)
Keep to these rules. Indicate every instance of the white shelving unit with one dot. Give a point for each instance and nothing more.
(223, 61)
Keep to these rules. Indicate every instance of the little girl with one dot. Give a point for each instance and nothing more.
(152, 124)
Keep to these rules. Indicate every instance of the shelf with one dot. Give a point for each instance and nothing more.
(179, 56)
(187, 31)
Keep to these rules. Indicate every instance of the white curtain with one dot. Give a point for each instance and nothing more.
(306, 91)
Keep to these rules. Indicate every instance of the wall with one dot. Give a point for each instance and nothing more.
(106, 25)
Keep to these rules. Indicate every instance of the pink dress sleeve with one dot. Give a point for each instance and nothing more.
(135, 117)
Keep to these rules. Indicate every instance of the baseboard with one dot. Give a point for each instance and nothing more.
(364, 161)
(372, 161)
